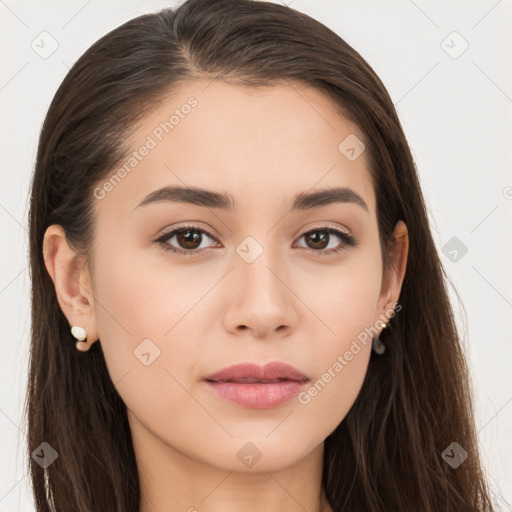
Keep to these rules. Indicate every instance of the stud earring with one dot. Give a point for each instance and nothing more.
(377, 346)
(80, 334)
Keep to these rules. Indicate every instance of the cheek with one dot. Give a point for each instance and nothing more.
(346, 304)
(146, 323)
(130, 310)
(344, 299)
(149, 315)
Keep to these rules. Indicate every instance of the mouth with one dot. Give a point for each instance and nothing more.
(252, 373)
(257, 387)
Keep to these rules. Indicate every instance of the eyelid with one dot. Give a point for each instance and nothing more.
(192, 225)
(326, 224)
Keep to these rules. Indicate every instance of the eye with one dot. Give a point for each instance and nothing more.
(321, 238)
(190, 238)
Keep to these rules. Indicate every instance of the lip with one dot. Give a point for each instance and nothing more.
(271, 371)
(265, 394)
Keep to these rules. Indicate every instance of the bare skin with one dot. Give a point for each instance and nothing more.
(263, 146)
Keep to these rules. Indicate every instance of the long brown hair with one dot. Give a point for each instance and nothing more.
(416, 400)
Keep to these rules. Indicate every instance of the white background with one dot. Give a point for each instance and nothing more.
(456, 113)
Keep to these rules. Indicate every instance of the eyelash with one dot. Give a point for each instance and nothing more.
(348, 240)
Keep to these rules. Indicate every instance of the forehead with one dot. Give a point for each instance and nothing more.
(259, 144)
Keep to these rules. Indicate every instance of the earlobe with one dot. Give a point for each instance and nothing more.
(70, 276)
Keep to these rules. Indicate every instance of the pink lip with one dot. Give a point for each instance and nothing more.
(271, 371)
(258, 395)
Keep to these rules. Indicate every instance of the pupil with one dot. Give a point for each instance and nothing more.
(188, 238)
(318, 237)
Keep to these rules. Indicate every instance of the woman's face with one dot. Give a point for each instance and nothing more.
(248, 283)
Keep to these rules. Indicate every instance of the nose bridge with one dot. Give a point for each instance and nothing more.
(263, 298)
(257, 265)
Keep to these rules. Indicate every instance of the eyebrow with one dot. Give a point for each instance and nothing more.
(225, 201)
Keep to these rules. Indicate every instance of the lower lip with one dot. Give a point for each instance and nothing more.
(258, 396)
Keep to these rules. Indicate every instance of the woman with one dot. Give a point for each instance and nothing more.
(225, 217)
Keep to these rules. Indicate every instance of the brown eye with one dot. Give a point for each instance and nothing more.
(318, 239)
(188, 240)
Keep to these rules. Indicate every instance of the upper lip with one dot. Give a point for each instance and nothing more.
(272, 371)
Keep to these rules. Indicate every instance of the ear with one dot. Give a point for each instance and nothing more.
(393, 278)
(72, 280)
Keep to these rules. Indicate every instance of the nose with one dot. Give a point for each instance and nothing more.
(262, 302)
